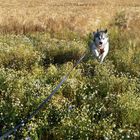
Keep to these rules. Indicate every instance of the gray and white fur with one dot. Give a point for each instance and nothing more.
(100, 45)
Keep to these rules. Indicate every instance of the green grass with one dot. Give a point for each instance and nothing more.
(96, 102)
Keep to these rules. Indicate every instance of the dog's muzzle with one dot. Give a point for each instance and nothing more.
(100, 43)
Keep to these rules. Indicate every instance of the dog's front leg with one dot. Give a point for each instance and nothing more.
(102, 56)
(95, 53)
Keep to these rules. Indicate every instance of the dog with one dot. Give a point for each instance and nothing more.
(100, 44)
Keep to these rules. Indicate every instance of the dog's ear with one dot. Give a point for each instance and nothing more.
(93, 35)
(105, 30)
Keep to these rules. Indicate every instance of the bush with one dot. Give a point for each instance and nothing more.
(95, 102)
(61, 52)
(18, 57)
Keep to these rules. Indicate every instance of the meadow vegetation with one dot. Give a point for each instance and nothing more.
(97, 101)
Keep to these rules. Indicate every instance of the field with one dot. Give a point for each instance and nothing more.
(40, 41)
(82, 16)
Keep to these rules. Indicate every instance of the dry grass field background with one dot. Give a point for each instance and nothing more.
(55, 15)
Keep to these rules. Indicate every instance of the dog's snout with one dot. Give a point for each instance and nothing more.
(100, 43)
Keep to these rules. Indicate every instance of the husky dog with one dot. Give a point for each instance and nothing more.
(100, 44)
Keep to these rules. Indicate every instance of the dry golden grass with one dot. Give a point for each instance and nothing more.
(54, 15)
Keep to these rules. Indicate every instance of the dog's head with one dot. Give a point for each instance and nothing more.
(100, 38)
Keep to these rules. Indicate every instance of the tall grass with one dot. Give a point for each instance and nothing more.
(96, 102)
(81, 16)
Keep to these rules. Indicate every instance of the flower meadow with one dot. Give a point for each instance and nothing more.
(96, 102)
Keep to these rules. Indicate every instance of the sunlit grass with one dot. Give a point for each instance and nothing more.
(81, 16)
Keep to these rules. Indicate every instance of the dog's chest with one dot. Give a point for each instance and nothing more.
(101, 50)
